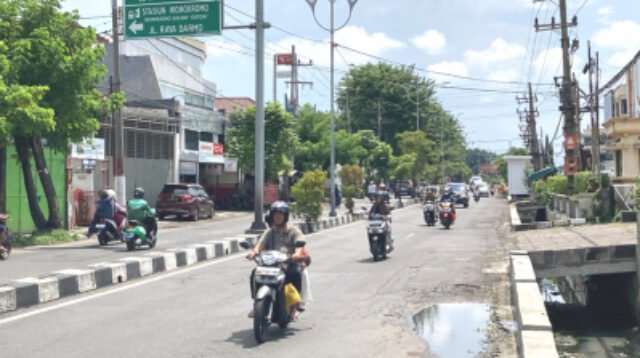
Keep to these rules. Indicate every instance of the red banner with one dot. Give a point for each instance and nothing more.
(284, 59)
(218, 149)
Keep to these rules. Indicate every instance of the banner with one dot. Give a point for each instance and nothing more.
(284, 59)
(230, 165)
(218, 149)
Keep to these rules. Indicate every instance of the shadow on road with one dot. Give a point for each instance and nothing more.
(245, 337)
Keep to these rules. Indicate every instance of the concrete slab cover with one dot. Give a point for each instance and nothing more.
(536, 344)
(530, 307)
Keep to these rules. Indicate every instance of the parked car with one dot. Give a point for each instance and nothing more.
(404, 187)
(461, 193)
(184, 200)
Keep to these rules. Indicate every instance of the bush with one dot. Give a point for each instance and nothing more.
(351, 177)
(45, 238)
(557, 184)
(309, 194)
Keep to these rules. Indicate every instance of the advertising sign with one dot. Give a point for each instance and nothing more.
(93, 149)
(218, 149)
(284, 59)
(230, 165)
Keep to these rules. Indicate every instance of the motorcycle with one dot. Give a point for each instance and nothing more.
(5, 248)
(447, 215)
(379, 233)
(493, 191)
(109, 229)
(429, 213)
(136, 235)
(476, 196)
(269, 283)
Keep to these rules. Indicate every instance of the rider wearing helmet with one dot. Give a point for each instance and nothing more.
(281, 236)
(449, 196)
(105, 209)
(138, 209)
(380, 206)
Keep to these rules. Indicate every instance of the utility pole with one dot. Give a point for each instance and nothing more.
(294, 83)
(567, 106)
(258, 224)
(596, 139)
(593, 111)
(118, 158)
(529, 134)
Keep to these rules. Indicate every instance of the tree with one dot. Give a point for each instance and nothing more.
(477, 156)
(49, 89)
(380, 162)
(393, 89)
(280, 140)
(352, 178)
(421, 150)
(313, 130)
(309, 194)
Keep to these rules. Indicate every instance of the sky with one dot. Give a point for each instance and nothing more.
(491, 43)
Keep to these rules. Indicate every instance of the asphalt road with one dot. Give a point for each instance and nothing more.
(361, 308)
(42, 260)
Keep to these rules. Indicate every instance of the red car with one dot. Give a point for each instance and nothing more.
(184, 200)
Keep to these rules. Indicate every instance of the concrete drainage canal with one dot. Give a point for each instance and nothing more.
(453, 329)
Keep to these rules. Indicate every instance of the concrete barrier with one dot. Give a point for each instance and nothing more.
(32, 291)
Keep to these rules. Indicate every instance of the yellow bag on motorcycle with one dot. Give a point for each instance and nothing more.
(291, 296)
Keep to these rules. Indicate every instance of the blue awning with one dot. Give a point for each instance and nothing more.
(542, 173)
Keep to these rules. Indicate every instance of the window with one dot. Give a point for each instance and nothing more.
(618, 163)
(623, 106)
(191, 140)
(206, 137)
(221, 138)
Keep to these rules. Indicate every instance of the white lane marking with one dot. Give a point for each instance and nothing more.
(409, 236)
(116, 290)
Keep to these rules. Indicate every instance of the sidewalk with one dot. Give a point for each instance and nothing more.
(586, 236)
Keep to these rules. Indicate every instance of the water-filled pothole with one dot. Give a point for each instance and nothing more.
(453, 329)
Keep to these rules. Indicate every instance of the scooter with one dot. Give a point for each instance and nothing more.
(429, 213)
(447, 215)
(476, 196)
(136, 235)
(5, 239)
(269, 282)
(379, 233)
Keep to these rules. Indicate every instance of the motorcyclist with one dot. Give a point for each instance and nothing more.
(105, 208)
(381, 207)
(281, 236)
(449, 196)
(138, 209)
(4, 232)
(430, 195)
(382, 189)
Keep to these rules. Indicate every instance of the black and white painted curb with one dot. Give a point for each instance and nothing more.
(31, 291)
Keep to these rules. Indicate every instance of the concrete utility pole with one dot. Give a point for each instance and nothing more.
(258, 222)
(593, 111)
(566, 96)
(294, 83)
(118, 157)
(596, 139)
(529, 134)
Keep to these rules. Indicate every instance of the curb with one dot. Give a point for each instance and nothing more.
(31, 291)
(535, 334)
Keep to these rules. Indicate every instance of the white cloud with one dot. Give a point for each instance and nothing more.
(351, 36)
(456, 68)
(505, 75)
(622, 37)
(619, 34)
(604, 14)
(499, 51)
(546, 64)
(432, 42)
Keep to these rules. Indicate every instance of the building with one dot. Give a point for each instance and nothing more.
(622, 121)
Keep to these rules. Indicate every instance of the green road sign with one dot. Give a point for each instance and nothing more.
(164, 18)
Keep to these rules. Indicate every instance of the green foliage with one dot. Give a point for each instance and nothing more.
(420, 150)
(52, 237)
(585, 182)
(352, 178)
(557, 184)
(313, 131)
(309, 194)
(476, 157)
(403, 166)
(501, 164)
(280, 140)
(380, 161)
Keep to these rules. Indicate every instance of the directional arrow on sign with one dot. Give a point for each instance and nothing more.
(135, 27)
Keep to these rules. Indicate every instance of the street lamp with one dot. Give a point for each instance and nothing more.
(332, 29)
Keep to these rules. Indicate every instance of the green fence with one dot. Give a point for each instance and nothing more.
(17, 204)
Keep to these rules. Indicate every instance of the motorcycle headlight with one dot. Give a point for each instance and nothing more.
(268, 260)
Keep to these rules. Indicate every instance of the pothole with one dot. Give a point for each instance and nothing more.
(453, 329)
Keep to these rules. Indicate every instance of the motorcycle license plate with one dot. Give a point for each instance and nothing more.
(129, 235)
(267, 271)
(100, 226)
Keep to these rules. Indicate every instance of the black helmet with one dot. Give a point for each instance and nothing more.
(279, 207)
(138, 193)
(103, 194)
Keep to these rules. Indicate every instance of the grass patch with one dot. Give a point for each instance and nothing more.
(52, 237)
